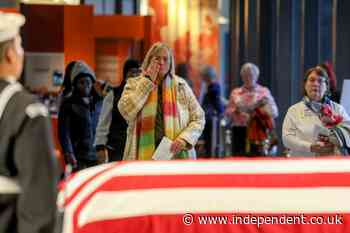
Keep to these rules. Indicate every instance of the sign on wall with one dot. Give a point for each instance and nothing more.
(43, 71)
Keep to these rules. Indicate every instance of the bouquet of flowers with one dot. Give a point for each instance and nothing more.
(339, 130)
(329, 118)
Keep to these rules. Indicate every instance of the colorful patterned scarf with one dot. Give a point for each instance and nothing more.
(324, 109)
(147, 119)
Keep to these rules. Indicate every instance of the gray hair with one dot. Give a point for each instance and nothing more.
(208, 71)
(153, 51)
(250, 66)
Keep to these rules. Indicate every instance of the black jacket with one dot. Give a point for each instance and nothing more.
(77, 122)
(117, 131)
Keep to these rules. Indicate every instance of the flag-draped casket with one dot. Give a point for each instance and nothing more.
(238, 196)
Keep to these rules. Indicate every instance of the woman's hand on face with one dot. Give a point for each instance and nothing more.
(152, 70)
(178, 145)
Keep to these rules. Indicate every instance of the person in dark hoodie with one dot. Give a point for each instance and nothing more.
(67, 81)
(111, 128)
(78, 117)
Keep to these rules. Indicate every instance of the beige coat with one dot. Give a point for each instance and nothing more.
(133, 99)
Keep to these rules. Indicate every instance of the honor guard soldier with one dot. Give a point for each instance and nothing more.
(28, 168)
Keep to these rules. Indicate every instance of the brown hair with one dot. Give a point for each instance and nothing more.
(320, 71)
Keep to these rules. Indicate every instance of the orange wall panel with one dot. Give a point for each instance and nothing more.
(117, 48)
(43, 30)
(106, 46)
(58, 28)
(118, 26)
(148, 39)
(123, 54)
(78, 35)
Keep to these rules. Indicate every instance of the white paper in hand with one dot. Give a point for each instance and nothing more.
(163, 150)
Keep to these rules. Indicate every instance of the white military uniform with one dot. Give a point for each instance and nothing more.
(28, 169)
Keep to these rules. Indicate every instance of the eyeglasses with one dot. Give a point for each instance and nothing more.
(320, 80)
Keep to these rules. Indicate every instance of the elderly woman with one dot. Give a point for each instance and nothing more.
(252, 110)
(158, 103)
(316, 125)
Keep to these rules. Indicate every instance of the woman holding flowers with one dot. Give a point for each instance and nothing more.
(316, 125)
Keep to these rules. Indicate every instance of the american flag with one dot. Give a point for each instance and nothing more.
(209, 196)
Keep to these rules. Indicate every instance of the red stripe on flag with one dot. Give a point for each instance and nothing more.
(85, 183)
(227, 180)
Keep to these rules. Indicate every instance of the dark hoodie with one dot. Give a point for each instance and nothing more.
(77, 120)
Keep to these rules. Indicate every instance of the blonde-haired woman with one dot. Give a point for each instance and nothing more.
(158, 103)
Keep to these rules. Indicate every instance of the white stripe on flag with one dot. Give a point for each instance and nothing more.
(298, 166)
(235, 167)
(78, 180)
(214, 200)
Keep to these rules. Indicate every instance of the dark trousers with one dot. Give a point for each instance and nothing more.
(207, 136)
(239, 142)
(115, 155)
(239, 135)
(84, 163)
